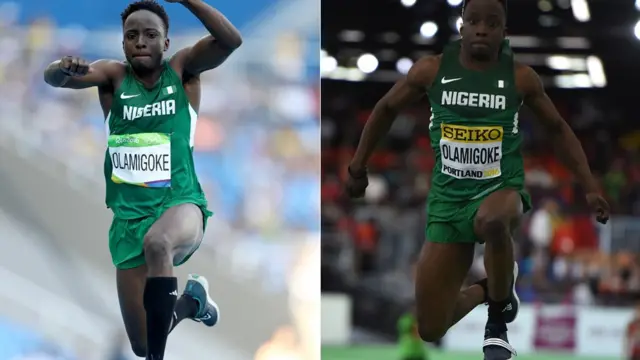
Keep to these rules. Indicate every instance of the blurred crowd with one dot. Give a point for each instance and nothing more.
(564, 255)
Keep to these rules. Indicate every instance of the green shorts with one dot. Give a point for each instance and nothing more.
(452, 222)
(126, 239)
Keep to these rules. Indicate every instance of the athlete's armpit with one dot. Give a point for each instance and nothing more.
(536, 99)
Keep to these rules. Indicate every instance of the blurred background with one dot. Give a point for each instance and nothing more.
(580, 282)
(257, 152)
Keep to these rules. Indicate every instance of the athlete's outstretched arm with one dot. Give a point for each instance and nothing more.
(212, 50)
(567, 145)
(76, 73)
(406, 91)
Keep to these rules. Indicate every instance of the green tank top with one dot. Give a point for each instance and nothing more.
(149, 159)
(474, 128)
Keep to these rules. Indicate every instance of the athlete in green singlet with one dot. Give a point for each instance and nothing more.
(477, 195)
(159, 209)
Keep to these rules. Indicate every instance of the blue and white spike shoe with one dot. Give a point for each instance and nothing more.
(198, 288)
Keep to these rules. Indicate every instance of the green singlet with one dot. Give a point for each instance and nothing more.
(149, 164)
(410, 345)
(476, 139)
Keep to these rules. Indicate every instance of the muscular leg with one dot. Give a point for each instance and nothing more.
(130, 283)
(496, 219)
(169, 240)
(441, 270)
(147, 290)
(468, 299)
(172, 238)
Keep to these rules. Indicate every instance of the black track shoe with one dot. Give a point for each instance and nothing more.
(496, 344)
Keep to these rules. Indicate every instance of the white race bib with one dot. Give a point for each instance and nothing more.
(141, 159)
(471, 152)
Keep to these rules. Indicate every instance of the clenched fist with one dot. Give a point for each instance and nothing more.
(74, 66)
(599, 207)
(357, 182)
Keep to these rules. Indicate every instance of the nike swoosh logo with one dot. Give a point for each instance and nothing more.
(206, 317)
(446, 81)
(124, 96)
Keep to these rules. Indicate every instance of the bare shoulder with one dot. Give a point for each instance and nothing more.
(424, 71)
(527, 80)
(414, 86)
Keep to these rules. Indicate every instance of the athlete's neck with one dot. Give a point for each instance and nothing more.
(467, 61)
(149, 78)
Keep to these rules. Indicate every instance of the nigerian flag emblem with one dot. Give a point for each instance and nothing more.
(169, 90)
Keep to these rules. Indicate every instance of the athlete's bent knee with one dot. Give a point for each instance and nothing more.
(139, 348)
(431, 333)
(157, 249)
(491, 227)
(431, 326)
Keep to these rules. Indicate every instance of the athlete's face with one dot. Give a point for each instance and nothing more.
(483, 28)
(145, 40)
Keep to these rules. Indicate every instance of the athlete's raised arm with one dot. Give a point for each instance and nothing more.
(212, 50)
(76, 73)
(406, 91)
(567, 145)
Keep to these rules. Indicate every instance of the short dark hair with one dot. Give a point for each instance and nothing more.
(503, 2)
(149, 5)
